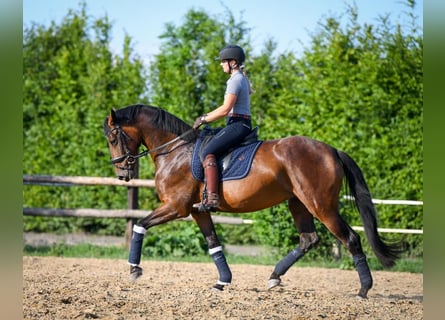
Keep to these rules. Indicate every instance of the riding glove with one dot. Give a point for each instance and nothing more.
(199, 122)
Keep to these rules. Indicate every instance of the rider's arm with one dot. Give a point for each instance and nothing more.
(223, 110)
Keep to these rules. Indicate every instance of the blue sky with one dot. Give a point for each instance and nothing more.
(288, 22)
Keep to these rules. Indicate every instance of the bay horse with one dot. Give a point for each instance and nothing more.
(306, 173)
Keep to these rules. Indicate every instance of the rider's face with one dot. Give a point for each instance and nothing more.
(226, 65)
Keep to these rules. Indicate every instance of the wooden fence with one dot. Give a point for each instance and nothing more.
(132, 213)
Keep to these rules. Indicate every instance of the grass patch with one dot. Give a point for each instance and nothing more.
(119, 252)
(77, 251)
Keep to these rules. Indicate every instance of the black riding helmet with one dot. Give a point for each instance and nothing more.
(232, 52)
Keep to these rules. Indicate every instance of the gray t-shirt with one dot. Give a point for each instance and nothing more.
(238, 85)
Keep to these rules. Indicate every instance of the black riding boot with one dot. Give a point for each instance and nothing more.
(212, 180)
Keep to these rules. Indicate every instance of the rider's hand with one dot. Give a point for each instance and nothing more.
(199, 122)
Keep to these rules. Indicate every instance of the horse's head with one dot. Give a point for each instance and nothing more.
(127, 129)
(123, 143)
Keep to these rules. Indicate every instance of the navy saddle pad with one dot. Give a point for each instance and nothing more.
(233, 165)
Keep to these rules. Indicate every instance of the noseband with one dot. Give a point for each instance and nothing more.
(131, 159)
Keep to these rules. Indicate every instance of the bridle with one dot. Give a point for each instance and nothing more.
(131, 159)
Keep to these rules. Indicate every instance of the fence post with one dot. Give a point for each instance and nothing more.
(132, 203)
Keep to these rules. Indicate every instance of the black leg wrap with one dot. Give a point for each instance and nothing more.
(364, 274)
(285, 263)
(225, 275)
(136, 247)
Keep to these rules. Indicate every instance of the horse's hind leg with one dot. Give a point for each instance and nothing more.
(304, 222)
(351, 240)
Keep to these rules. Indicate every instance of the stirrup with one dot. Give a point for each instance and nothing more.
(205, 207)
(210, 202)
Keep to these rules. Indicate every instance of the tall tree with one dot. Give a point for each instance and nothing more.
(359, 89)
(186, 77)
(71, 81)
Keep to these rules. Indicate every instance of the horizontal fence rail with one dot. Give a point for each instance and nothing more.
(388, 230)
(79, 180)
(404, 202)
(119, 213)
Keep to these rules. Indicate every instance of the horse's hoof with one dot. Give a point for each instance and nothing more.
(135, 273)
(363, 293)
(272, 283)
(217, 287)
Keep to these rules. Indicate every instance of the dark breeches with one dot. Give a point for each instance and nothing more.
(228, 137)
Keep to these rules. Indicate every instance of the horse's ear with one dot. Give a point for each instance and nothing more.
(112, 118)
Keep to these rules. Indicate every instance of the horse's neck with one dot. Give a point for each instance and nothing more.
(168, 144)
(153, 139)
(174, 159)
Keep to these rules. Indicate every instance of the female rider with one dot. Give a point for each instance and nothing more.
(236, 109)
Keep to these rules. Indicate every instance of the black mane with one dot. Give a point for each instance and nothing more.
(157, 116)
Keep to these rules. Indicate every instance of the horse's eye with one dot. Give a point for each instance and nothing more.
(112, 136)
(112, 139)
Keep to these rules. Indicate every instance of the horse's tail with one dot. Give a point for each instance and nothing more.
(386, 253)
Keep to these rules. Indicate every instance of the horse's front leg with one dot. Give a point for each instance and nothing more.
(163, 214)
(207, 228)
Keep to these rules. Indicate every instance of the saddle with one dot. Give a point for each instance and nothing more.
(235, 164)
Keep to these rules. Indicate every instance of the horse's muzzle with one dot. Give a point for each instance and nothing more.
(125, 173)
(126, 178)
